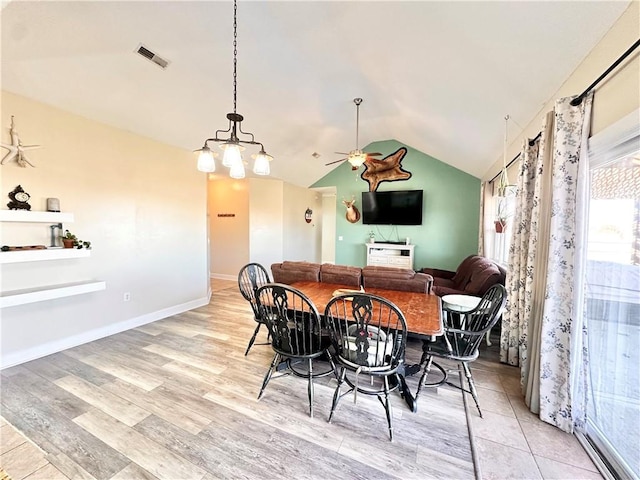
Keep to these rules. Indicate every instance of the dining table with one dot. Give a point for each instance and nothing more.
(422, 312)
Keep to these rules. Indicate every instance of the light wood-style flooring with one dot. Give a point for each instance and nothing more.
(176, 399)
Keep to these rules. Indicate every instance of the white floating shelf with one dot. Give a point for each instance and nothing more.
(35, 217)
(45, 254)
(50, 292)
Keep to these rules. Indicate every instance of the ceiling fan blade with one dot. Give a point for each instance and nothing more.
(341, 153)
(376, 154)
(337, 161)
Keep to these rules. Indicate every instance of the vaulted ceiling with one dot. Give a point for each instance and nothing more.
(438, 76)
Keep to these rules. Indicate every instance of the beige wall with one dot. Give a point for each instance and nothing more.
(615, 97)
(229, 241)
(141, 204)
(269, 226)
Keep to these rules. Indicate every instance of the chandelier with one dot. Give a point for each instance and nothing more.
(231, 144)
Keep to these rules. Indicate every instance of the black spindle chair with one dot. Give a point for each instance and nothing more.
(251, 277)
(369, 335)
(296, 333)
(463, 333)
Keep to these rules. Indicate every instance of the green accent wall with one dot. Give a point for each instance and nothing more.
(451, 210)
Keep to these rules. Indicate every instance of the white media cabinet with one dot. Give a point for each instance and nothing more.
(390, 255)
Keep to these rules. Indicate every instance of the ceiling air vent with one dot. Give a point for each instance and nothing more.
(148, 54)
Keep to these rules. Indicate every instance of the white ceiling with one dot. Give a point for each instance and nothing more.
(438, 76)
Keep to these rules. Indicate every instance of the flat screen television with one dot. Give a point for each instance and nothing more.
(392, 208)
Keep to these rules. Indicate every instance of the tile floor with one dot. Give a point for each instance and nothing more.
(511, 442)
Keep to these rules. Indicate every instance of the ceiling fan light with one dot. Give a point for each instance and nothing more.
(356, 158)
(206, 162)
(261, 164)
(231, 153)
(237, 169)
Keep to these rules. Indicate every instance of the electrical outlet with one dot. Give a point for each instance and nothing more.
(126, 297)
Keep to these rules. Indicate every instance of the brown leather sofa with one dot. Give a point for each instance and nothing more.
(374, 277)
(289, 272)
(341, 274)
(391, 278)
(473, 276)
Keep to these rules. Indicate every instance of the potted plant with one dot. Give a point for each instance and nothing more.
(69, 240)
(501, 217)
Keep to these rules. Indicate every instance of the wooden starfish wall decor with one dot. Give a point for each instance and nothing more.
(16, 149)
(388, 169)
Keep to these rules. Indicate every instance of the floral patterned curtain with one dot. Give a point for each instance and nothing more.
(542, 328)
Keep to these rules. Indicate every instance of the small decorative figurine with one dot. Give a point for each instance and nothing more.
(19, 199)
(16, 149)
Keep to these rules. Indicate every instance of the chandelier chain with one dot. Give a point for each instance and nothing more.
(235, 54)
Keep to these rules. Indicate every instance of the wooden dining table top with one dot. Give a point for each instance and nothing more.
(422, 311)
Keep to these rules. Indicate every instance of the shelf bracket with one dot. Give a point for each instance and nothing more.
(53, 235)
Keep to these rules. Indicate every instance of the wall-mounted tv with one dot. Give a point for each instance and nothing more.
(392, 208)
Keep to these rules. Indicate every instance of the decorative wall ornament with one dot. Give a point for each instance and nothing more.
(353, 214)
(16, 149)
(389, 169)
(308, 215)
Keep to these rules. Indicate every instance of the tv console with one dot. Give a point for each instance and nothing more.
(390, 255)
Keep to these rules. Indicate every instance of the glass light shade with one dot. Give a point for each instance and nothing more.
(231, 154)
(261, 165)
(356, 158)
(206, 162)
(237, 169)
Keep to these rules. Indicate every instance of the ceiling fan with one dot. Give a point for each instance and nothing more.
(355, 157)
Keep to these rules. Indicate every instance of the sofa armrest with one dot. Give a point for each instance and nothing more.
(437, 273)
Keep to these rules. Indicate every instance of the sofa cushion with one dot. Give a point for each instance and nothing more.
(341, 274)
(443, 282)
(391, 278)
(289, 272)
(442, 290)
(389, 272)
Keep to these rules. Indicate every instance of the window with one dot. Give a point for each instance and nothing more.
(501, 225)
(612, 294)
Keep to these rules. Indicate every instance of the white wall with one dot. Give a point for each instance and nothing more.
(140, 203)
(302, 240)
(328, 228)
(266, 221)
(615, 97)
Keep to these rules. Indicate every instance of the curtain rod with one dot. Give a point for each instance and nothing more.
(531, 142)
(576, 101)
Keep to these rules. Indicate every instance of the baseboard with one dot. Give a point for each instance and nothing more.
(222, 276)
(40, 351)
